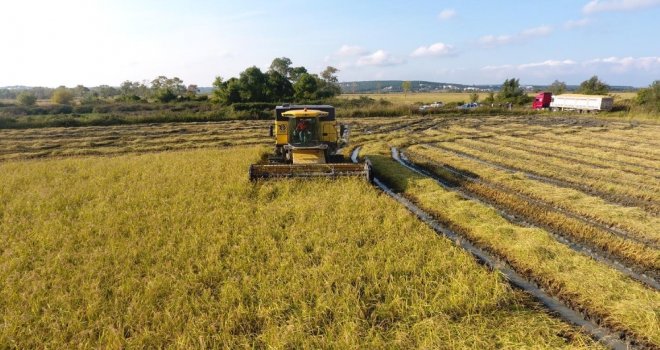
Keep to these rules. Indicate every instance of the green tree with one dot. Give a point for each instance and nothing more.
(474, 97)
(296, 73)
(217, 94)
(328, 83)
(510, 89)
(325, 89)
(253, 85)
(281, 83)
(165, 89)
(281, 65)
(165, 95)
(62, 96)
(650, 97)
(329, 75)
(80, 91)
(512, 92)
(305, 88)
(106, 91)
(130, 91)
(593, 86)
(279, 87)
(26, 98)
(191, 91)
(226, 92)
(557, 87)
(406, 86)
(90, 98)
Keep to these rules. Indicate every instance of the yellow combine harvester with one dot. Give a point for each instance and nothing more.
(307, 139)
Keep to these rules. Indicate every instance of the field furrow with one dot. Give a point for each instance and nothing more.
(601, 292)
(638, 255)
(623, 194)
(627, 222)
(649, 186)
(593, 157)
(628, 149)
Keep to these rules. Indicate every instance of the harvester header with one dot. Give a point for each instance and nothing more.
(307, 140)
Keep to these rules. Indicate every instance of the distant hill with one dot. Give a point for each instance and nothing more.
(373, 86)
(383, 86)
(16, 87)
(395, 86)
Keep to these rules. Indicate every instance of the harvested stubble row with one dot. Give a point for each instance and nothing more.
(594, 141)
(639, 254)
(594, 157)
(603, 293)
(641, 186)
(626, 194)
(65, 142)
(633, 221)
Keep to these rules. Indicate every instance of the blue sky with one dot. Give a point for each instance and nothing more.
(93, 42)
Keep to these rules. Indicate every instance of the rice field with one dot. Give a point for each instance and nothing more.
(541, 188)
(152, 236)
(18, 144)
(179, 250)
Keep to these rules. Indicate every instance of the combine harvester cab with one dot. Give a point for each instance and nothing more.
(306, 145)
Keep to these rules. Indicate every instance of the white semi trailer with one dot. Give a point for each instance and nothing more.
(581, 103)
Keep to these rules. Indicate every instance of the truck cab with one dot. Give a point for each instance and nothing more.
(542, 100)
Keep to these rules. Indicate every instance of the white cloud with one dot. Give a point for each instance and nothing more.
(607, 64)
(534, 70)
(547, 64)
(502, 67)
(625, 64)
(500, 40)
(492, 40)
(437, 49)
(379, 58)
(537, 31)
(350, 50)
(617, 5)
(447, 14)
(572, 24)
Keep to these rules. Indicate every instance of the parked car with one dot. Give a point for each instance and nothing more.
(432, 106)
(468, 105)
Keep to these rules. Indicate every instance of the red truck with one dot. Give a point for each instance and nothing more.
(542, 100)
(573, 102)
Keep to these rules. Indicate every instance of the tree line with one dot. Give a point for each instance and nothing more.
(161, 89)
(281, 83)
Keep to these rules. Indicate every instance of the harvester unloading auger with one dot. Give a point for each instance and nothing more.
(307, 139)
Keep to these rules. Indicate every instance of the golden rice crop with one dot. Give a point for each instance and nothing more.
(179, 250)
